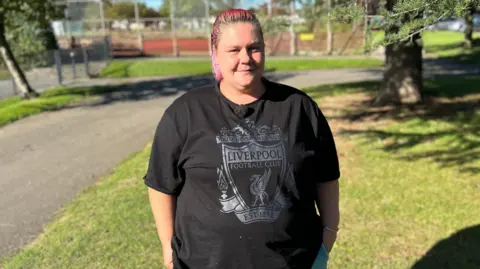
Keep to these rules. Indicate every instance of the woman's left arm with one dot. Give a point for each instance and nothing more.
(327, 200)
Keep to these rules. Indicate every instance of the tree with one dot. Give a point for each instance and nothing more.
(469, 26)
(184, 8)
(404, 21)
(127, 11)
(41, 11)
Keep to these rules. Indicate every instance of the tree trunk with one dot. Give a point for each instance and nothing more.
(23, 87)
(469, 28)
(403, 75)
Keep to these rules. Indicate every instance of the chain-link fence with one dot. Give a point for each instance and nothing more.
(84, 49)
(182, 28)
(93, 32)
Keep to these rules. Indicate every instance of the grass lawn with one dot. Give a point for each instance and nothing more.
(446, 45)
(141, 68)
(449, 45)
(408, 185)
(14, 108)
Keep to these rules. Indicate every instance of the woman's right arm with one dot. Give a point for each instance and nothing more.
(163, 209)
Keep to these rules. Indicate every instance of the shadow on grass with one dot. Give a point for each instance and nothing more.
(89, 96)
(344, 88)
(461, 250)
(456, 52)
(449, 120)
(148, 89)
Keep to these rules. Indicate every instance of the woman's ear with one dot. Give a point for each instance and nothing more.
(216, 67)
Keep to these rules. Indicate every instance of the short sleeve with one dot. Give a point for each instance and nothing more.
(163, 172)
(325, 150)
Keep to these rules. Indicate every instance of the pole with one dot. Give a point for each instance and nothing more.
(172, 22)
(365, 30)
(137, 16)
(14, 86)
(293, 43)
(102, 17)
(270, 7)
(104, 34)
(74, 69)
(329, 29)
(58, 63)
(86, 61)
(207, 19)
(67, 16)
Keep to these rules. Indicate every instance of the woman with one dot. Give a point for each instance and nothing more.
(236, 167)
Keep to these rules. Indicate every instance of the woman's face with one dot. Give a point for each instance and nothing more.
(240, 54)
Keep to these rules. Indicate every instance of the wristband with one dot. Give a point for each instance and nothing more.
(330, 229)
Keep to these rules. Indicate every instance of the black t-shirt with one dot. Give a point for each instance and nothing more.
(244, 177)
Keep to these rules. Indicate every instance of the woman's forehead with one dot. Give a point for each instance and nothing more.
(239, 34)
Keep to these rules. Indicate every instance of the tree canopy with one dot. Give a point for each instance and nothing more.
(407, 17)
(127, 11)
(25, 14)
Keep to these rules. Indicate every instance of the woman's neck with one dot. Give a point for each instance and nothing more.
(243, 96)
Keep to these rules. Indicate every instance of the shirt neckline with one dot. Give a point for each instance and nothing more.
(233, 104)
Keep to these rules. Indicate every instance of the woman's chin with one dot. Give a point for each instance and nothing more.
(246, 79)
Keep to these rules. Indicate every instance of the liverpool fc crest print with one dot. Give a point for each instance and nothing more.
(255, 180)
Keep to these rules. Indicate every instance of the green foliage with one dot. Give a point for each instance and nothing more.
(184, 8)
(27, 42)
(196, 8)
(27, 29)
(33, 10)
(273, 24)
(127, 11)
(403, 19)
(347, 14)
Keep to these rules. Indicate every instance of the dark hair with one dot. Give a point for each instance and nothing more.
(228, 17)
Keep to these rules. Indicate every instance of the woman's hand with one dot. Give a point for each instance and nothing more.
(168, 258)
(169, 265)
(328, 206)
(329, 238)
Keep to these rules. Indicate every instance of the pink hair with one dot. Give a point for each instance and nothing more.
(228, 17)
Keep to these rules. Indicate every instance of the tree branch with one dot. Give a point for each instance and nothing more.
(423, 28)
(408, 11)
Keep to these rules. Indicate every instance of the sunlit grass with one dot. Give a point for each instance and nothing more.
(395, 204)
(14, 108)
(146, 68)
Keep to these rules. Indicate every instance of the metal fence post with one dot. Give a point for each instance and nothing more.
(86, 61)
(74, 69)
(172, 22)
(207, 24)
(293, 41)
(14, 85)
(329, 29)
(58, 64)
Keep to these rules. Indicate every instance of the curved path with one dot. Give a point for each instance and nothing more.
(46, 159)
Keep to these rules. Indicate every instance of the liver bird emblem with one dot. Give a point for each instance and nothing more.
(258, 184)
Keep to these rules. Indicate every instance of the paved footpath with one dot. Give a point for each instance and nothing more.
(48, 158)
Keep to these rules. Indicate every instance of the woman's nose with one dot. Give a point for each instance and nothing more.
(244, 56)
